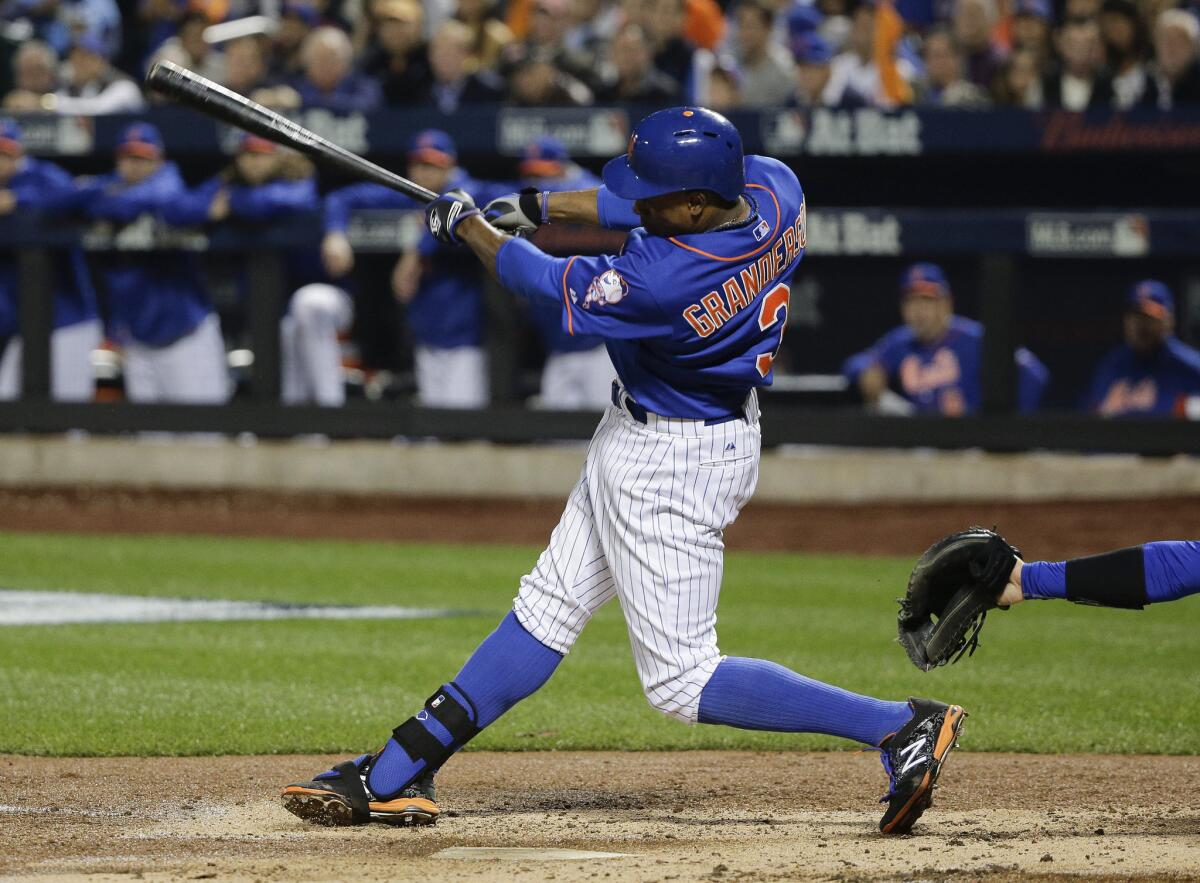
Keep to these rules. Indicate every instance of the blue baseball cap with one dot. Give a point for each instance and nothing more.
(1036, 8)
(1152, 298)
(924, 279)
(435, 147)
(306, 12)
(93, 43)
(10, 137)
(544, 158)
(803, 20)
(140, 139)
(811, 48)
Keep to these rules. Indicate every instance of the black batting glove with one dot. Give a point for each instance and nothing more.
(446, 212)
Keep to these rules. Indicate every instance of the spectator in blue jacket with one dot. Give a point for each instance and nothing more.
(29, 185)
(578, 373)
(932, 363)
(264, 184)
(158, 310)
(1152, 373)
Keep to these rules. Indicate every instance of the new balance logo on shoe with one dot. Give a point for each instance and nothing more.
(912, 755)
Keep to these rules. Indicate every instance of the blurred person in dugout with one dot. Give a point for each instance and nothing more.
(157, 308)
(33, 186)
(443, 294)
(577, 374)
(1152, 373)
(932, 363)
(266, 183)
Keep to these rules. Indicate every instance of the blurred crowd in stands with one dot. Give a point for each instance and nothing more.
(156, 309)
(88, 56)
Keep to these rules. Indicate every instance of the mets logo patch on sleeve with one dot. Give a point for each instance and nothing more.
(607, 288)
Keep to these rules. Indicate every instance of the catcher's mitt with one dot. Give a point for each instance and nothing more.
(957, 580)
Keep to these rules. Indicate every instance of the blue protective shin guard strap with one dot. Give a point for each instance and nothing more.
(420, 744)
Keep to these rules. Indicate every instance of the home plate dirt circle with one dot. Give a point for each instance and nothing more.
(521, 853)
(687, 815)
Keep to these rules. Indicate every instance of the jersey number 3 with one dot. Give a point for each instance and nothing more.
(774, 311)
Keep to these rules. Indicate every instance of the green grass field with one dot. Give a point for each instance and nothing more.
(1050, 677)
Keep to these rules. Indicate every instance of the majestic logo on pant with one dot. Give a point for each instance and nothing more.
(911, 755)
(436, 702)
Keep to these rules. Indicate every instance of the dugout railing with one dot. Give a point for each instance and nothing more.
(1013, 239)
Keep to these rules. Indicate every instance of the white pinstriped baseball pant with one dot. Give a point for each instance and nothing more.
(645, 524)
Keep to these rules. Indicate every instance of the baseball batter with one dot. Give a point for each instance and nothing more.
(692, 311)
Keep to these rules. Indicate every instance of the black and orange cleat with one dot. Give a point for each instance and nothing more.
(913, 758)
(340, 797)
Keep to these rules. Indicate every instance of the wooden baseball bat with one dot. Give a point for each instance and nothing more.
(214, 100)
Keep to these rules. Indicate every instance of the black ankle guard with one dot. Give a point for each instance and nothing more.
(1114, 579)
(420, 744)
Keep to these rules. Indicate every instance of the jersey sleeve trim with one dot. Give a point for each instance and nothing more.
(566, 297)
(767, 240)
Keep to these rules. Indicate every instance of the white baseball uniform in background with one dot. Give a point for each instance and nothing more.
(192, 370)
(577, 381)
(310, 351)
(71, 376)
(451, 378)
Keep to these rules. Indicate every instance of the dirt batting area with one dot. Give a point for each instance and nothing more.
(568, 816)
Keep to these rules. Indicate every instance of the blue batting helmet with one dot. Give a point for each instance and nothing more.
(682, 148)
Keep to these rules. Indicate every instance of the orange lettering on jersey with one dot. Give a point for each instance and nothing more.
(802, 226)
(751, 283)
(777, 256)
(941, 371)
(763, 268)
(696, 318)
(714, 306)
(789, 244)
(1124, 397)
(734, 297)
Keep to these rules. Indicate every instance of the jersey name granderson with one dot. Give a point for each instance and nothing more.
(692, 322)
(739, 290)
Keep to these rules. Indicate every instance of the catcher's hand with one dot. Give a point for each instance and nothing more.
(958, 580)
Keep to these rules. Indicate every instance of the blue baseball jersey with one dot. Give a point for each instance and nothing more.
(43, 187)
(447, 309)
(692, 322)
(547, 317)
(944, 377)
(1126, 383)
(259, 203)
(155, 298)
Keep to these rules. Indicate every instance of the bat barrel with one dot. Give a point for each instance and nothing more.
(216, 101)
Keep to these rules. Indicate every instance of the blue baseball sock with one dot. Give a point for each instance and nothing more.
(754, 694)
(509, 665)
(1172, 571)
